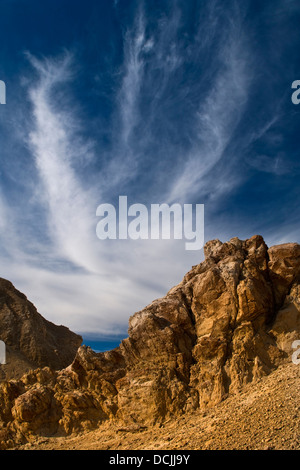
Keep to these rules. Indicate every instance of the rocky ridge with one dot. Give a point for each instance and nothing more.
(31, 341)
(229, 323)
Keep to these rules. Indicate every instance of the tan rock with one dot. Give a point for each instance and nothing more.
(31, 341)
(229, 322)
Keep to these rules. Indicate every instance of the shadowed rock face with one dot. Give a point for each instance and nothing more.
(231, 321)
(31, 341)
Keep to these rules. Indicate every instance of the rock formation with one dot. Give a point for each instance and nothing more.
(31, 341)
(231, 321)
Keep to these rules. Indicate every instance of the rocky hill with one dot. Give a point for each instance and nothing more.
(229, 324)
(263, 415)
(31, 341)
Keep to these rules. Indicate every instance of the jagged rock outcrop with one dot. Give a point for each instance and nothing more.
(31, 341)
(231, 321)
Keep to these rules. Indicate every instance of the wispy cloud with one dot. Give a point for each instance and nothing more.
(91, 285)
(124, 158)
(150, 59)
(218, 115)
(56, 148)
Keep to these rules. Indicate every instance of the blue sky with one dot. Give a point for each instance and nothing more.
(164, 102)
